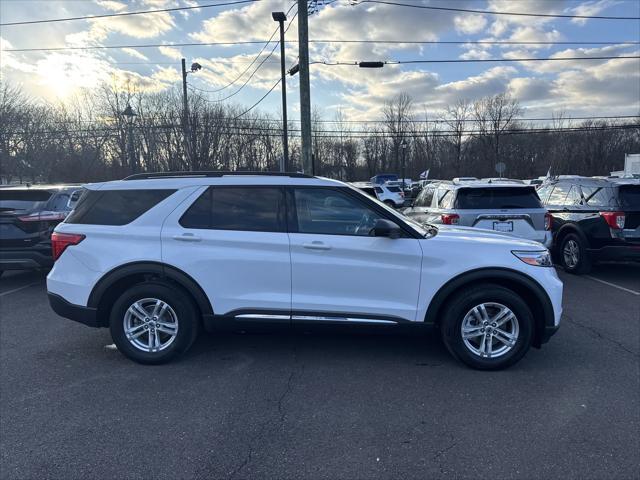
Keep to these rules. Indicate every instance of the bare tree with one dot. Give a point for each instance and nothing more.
(398, 113)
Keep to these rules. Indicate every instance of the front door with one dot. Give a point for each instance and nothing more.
(340, 272)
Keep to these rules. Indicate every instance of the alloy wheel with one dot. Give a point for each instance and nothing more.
(571, 253)
(490, 330)
(150, 325)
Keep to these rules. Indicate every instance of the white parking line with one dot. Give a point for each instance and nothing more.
(18, 289)
(628, 290)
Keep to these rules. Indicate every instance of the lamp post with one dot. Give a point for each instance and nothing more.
(280, 17)
(404, 152)
(185, 108)
(129, 116)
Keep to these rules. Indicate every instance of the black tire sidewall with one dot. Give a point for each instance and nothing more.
(463, 303)
(181, 304)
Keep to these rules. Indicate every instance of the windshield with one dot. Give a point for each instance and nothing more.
(630, 196)
(416, 226)
(498, 198)
(23, 199)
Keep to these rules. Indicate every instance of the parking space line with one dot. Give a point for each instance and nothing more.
(628, 290)
(18, 289)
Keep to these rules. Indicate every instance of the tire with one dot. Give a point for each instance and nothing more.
(577, 262)
(493, 297)
(172, 341)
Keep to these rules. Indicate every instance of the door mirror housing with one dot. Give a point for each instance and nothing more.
(385, 228)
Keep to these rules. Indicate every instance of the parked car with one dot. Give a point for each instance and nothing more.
(153, 257)
(383, 178)
(503, 207)
(503, 180)
(28, 215)
(391, 195)
(594, 220)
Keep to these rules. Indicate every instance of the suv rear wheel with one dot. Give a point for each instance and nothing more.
(573, 254)
(488, 328)
(151, 323)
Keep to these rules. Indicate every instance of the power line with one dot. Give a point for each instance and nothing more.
(493, 12)
(252, 62)
(258, 102)
(123, 14)
(327, 41)
(474, 60)
(254, 72)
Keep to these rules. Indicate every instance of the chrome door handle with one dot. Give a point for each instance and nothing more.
(316, 246)
(187, 237)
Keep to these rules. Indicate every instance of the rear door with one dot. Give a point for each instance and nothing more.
(514, 210)
(232, 241)
(340, 272)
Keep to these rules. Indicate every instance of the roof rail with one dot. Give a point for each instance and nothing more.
(209, 173)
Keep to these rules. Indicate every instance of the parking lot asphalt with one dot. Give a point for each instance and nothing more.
(330, 405)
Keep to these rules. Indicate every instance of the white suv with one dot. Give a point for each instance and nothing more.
(155, 257)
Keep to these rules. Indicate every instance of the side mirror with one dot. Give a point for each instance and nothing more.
(385, 228)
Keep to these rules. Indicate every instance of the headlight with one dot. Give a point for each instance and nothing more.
(537, 259)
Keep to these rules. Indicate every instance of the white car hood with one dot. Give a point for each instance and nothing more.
(474, 235)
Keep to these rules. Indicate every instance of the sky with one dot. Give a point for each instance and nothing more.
(544, 89)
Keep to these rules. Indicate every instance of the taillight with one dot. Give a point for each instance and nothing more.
(450, 218)
(402, 194)
(60, 241)
(615, 220)
(548, 221)
(43, 217)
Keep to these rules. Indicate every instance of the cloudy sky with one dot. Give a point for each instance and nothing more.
(577, 88)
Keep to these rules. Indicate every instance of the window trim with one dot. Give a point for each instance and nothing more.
(292, 217)
(281, 215)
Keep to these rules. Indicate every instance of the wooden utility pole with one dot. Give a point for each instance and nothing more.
(305, 89)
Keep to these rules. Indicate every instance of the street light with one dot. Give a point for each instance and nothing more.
(404, 151)
(280, 17)
(185, 105)
(129, 116)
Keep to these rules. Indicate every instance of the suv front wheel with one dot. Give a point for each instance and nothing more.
(488, 328)
(151, 323)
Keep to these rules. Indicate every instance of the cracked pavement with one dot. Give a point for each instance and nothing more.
(321, 406)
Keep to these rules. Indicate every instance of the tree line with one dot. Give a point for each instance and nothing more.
(89, 139)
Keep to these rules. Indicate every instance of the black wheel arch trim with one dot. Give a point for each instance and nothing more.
(434, 312)
(568, 228)
(157, 269)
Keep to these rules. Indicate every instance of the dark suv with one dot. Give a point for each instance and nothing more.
(28, 215)
(593, 219)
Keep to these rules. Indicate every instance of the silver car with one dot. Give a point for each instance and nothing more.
(504, 207)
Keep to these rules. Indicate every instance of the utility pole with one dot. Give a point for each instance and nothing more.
(185, 114)
(280, 17)
(305, 89)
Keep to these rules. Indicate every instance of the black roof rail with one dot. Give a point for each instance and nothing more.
(212, 173)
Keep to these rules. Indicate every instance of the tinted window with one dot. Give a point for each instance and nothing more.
(331, 212)
(369, 191)
(559, 194)
(630, 196)
(394, 189)
(23, 199)
(574, 197)
(498, 198)
(115, 207)
(60, 202)
(378, 190)
(254, 209)
(425, 197)
(599, 196)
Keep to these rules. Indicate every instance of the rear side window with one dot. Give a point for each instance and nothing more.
(498, 198)
(378, 190)
(630, 196)
(599, 196)
(394, 189)
(253, 209)
(23, 199)
(559, 194)
(115, 207)
(369, 191)
(425, 197)
(445, 199)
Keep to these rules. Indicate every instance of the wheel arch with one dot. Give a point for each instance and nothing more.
(565, 230)
(113, 283)
(521, 284)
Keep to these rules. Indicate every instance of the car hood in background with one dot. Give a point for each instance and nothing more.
(474, 235)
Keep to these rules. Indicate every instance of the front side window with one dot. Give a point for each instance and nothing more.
(253, 209)
(425, 197)
(559, 194)
(331, 212)
(543, 193)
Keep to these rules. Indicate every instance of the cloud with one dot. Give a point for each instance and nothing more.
(590, 8)
(171, 52)
(470, 23)
(112, 5)
(135, 53)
